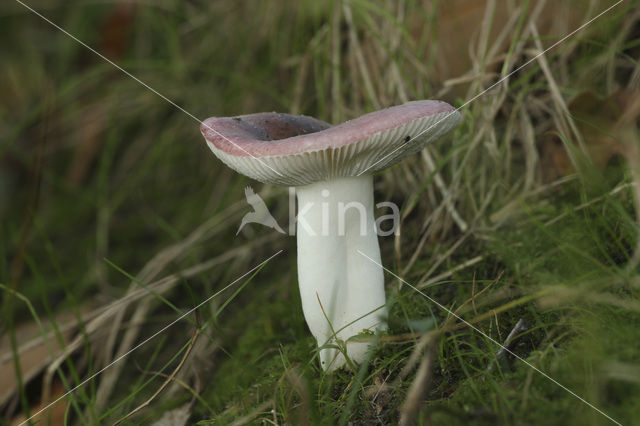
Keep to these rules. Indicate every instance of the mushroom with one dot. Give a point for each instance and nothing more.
(339, 268)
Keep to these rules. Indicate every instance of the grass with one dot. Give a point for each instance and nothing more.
(527, 211)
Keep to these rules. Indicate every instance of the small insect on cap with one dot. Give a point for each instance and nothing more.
(297, 150)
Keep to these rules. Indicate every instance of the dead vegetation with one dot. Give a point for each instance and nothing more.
(87, 174)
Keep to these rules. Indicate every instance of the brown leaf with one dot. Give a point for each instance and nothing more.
(35, 353)
(461, 23)
(54, 416)
(36, 349)
(606, 125)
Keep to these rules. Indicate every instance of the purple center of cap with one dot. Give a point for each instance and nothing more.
(271, 134)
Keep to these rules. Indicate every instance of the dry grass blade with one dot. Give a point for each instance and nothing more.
(176, 417)
(294, 377)
(444, 257)
(303, 69)
(37, 348)
(253, 414)
(562, 116)
(447, 195)
(415, 355)
(336, 97)
(359, 56)
(520, 327)
(473, 205)
(104, 316)
(627, 126)
(411, 404)
(151, 270)
(450, 272)
(169, 379)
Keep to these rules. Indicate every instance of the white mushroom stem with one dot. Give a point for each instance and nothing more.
(339, 287)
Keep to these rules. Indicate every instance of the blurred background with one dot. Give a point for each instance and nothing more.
(115, 218)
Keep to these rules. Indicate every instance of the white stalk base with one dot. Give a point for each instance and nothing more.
(339, 287)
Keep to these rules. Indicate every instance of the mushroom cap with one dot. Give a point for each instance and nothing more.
(298, 150)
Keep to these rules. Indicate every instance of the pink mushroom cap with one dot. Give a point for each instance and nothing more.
(296, 150)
